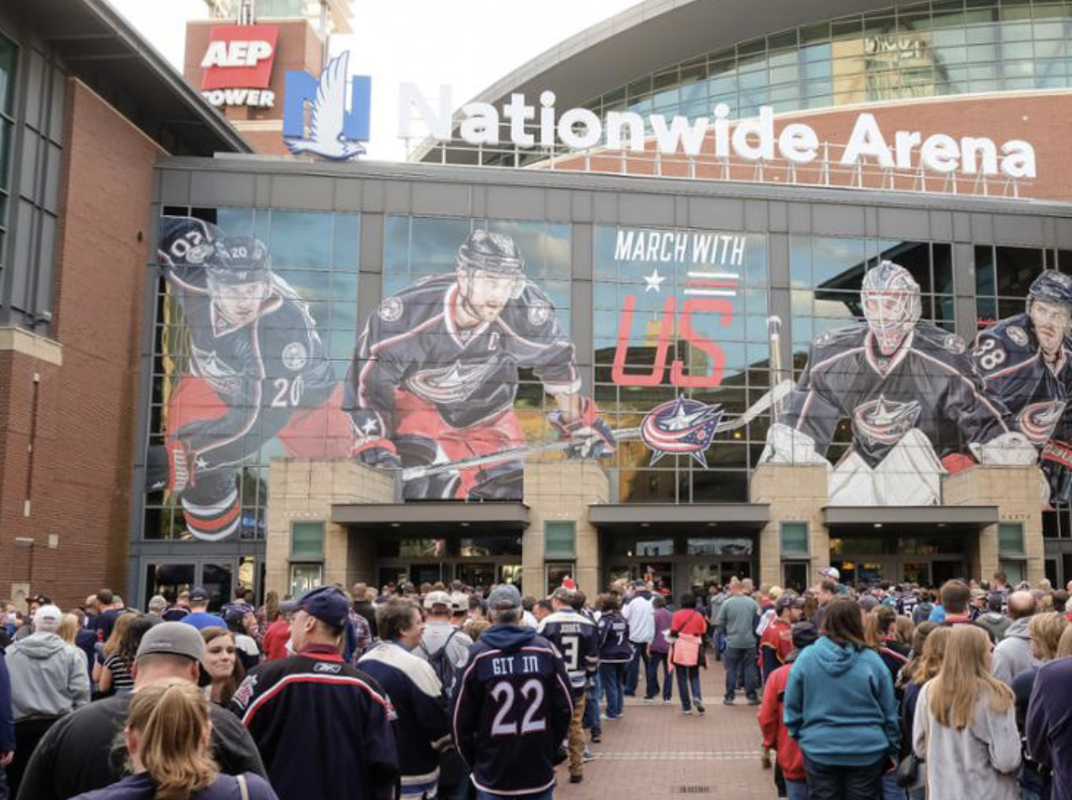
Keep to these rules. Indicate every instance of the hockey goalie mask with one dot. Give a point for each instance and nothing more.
(239, 274)
(489, 273)
(890, 297)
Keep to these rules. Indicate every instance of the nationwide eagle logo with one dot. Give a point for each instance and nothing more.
(885, 421)
(1038, 420)
(680, 426)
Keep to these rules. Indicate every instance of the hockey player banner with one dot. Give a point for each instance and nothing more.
(244, 366)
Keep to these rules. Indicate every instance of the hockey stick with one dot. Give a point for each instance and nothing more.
(775, 395)
(774, 331)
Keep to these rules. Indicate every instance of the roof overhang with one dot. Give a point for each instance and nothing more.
(445, 517)
(710, 518)
(99, 47)
(858, 519)
(648, 37)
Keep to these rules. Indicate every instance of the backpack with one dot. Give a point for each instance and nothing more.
(442, 665)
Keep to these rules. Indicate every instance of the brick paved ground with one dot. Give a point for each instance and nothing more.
(655, 751)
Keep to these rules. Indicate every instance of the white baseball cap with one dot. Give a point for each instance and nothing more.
(47, 619)
(830, 572)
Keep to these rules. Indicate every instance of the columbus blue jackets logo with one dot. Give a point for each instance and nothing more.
(680, 427)
(885, 421)
(1038, 420)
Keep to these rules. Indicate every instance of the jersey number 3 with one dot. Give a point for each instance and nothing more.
(503, 694)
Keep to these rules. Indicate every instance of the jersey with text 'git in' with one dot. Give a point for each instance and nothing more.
(927, 384)
(576, 639)
(262, 371)
(412, 342)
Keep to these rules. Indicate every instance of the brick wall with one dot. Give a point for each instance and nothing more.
(86, 408)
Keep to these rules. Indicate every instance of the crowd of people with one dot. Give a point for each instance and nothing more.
(446, 691)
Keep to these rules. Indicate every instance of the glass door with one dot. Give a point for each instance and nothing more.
(217, 576)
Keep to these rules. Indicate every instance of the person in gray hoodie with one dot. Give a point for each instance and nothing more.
(993, 621)
(48, 679)
(1013, 653)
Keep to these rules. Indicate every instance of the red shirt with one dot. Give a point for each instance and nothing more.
(275, 640)
(775, 734)
(779, 637)
(688, 620)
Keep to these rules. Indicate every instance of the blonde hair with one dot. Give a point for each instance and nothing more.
(1064, 647)
(930, 660)
(965, 678)
(1046, 630)
(68, 628)
(111, 647)
(172, 718)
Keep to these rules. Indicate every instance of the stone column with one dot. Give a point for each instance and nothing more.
(561, 491)
(1015, 491)
(304, 489)
(795, 493)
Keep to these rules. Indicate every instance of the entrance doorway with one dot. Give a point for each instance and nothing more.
(477, 561)
(220, 577)
(679, 563)
(924, 571)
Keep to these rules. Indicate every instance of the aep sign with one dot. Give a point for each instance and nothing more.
(238, 65)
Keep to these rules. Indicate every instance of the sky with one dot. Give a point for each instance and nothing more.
(466, 44)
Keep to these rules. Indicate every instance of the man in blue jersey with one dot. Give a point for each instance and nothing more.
(512, 706)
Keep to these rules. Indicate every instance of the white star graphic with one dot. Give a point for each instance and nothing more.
(654, 281)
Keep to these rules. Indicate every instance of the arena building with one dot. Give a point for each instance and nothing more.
(587, 390)
(600, 356)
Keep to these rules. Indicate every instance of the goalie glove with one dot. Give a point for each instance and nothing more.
(589, 435)
(786, 445)
(1008, 450)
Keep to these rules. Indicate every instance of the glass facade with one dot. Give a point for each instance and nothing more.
(232, 394)
(900, 53)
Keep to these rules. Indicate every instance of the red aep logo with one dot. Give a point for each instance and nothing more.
(239, 57)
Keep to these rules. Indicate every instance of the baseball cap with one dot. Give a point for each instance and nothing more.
(504, 597)
(437, 599)
(788, 601)
(327, 603)
(47, 619)
(198, 595)
(172, 639)
(831, 573)
(459, 601)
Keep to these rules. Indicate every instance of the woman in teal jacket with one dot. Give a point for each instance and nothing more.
(840, 707)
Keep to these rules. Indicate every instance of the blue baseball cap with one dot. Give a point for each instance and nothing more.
(327, 603)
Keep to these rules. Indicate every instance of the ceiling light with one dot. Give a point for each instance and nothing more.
(878, 524)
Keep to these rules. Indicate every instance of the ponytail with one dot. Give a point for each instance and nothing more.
(172, 718)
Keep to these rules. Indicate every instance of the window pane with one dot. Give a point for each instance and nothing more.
(307, 539)
(559, 539)
(1011, 538)
(794, 539)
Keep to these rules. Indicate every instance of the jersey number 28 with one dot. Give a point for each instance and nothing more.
(532, 698)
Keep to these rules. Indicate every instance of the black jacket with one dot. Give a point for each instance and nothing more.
(77, 753)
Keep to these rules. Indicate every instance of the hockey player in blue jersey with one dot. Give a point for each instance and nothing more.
(1025, 362)
(512, 705)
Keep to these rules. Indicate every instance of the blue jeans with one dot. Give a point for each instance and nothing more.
(796, 790)
(737, 659)
(547, 795)
(890, 789)
(685, 677)
(611, 677)
(593, 693)
(668, 682)
(827, 782)
(632, 677)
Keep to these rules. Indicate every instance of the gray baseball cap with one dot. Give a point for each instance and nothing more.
(505, 597)
(172, 639)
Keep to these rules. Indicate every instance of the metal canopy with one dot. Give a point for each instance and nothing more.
(442, 517)
(907, 518)
(707, 518)
(98, 46)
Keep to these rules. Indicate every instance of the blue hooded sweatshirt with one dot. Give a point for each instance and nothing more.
(7, 717)
(840, 707)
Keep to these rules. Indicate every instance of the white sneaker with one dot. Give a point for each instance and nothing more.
(687, 712)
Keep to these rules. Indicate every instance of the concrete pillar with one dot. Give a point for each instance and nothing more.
(794, 493)
(1015, 491)
(561, 491)
(304, 489)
